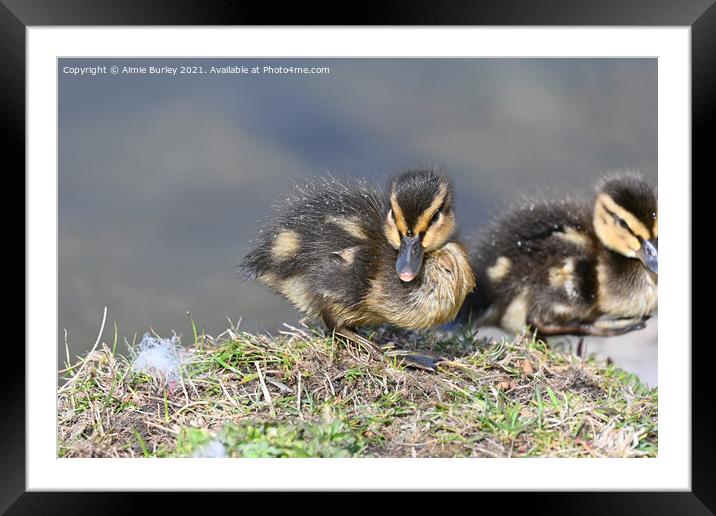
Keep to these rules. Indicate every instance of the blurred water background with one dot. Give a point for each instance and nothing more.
(163, 178)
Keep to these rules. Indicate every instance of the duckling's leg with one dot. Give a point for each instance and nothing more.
(581, 348)
(340, 330)
(405, 357)
(360, 341)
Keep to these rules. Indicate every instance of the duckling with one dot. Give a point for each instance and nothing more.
(349, 254)
(571, 268)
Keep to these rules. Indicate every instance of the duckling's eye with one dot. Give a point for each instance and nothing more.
(622, 223)
(436, 216)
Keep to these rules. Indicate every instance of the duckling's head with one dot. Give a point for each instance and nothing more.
(420, 219)
(626, 218)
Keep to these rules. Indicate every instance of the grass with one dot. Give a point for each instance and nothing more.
(304, 394)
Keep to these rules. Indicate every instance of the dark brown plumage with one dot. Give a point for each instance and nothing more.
(349, 254)
(570, 267)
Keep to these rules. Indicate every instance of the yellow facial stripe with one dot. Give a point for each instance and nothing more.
(391, 232)
(655, 229)
(399, 217)
(427, 215)
(611, 235)
(439, 233)
(634, 224)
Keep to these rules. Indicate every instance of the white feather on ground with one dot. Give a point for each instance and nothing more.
(212, 450)
(159, 358)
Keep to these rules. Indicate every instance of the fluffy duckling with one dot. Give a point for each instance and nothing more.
(348, 254)
(571, 268)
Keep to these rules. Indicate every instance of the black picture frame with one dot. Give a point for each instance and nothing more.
(17, 15)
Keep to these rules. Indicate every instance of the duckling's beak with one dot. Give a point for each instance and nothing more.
(649, 255)
(410, 258)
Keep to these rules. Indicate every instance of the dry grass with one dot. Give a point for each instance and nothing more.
(303, 393)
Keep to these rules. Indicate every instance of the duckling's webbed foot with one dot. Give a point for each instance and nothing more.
(612, 327)
(598, 328)
(416, 360)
